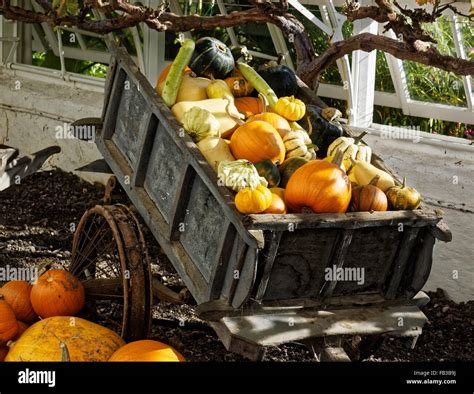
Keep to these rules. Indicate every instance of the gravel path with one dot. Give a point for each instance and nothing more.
(36, 223)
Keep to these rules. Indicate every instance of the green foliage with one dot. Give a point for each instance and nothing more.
(64, 7)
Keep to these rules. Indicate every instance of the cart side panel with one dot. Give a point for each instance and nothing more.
(377, 260)
(298, 269)
(137, 111)
(175, 190)
(370, 254)
(163, 172)
(203, 226)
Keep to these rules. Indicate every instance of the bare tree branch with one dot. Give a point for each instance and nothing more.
(420, 52)
(406, 23)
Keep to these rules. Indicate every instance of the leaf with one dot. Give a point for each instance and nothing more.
(64, 7)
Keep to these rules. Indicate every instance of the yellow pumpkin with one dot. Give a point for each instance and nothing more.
(253, 200)
(290, 108)
(64, 338)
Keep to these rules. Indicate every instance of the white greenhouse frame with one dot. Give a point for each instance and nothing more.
(17, 41)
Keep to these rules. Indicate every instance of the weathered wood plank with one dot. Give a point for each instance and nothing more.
(222, 264)
(281, 327)
(146, 146)
(181, 201)
(247, 275)
(350, 220)
(111, 115)
(404, 251)
(422, 267)
(341, 247)
(267, 262)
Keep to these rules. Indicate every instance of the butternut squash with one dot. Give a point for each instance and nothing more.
(215, 150)
(191, 89)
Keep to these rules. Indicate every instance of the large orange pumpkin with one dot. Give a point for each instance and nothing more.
(17, 294)
(65, 338)
(4, 349)
(278, 122)
(320, 186)
(57, 293)
(256, 141)
(8, 322)
(145, 351)
(249, 105)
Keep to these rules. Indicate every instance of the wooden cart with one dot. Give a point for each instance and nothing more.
(257, 279)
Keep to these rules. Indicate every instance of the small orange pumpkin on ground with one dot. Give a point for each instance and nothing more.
(8, 323)
(57, 293)
(145, 351)
(257, 141)
(17, 293)
(369, 198)
(321, 186)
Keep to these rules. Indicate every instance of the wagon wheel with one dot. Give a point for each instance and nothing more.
(110, 257)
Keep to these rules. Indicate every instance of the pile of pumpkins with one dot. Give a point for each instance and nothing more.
(38, 323)
(276, 153)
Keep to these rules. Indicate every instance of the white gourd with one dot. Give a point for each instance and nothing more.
(239, 174)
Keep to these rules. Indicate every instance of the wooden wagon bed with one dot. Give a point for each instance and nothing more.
(253, 275)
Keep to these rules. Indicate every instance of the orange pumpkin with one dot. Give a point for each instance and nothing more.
(22, 327)
(17, 294)
(57, 293)
(249, 106)
(166, 71)
(277, 121)
(239, 86)
(8, 322)
(277, 205)
(146, 351)
(4, 349)
(320, 186)
(369, 198)
(256, 141)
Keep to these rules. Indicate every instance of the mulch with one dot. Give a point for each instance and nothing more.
(37, 222)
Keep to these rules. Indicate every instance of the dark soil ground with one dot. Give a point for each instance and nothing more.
(37, 220)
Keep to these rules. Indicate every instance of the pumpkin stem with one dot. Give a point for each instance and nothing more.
(359, 137)
(404, 182)
(236, 118)
(337, 159)
(65, 356)
(374, 180)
